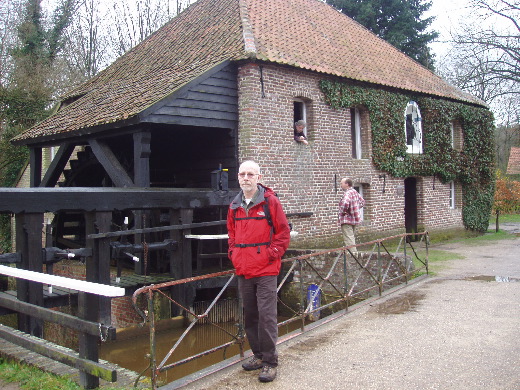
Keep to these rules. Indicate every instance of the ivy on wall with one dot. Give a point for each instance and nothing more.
(473, 166)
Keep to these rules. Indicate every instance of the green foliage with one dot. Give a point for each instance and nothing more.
(26, 95)
(399, 22)
(31, 378)
(472, 166)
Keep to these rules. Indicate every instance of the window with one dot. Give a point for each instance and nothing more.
(355, 124)
(452, 195)
(300, 112)
(413, 128)
(456, 135)
(359, 188)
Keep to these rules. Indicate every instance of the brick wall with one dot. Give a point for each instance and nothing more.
(306, 178)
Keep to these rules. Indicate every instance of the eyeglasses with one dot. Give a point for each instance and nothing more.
(248, 174)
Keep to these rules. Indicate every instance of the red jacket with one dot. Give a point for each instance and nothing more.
(254, 248)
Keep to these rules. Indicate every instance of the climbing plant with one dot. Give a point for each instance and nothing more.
(473, 166)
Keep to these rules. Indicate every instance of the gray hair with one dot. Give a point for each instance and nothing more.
(301, 122)
(252, 164)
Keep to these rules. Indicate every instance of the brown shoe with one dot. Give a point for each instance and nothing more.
(268, 374)
(252, 364)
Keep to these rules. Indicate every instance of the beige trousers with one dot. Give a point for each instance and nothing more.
(349, 235)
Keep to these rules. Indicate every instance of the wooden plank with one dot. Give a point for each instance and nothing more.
(18, 200)
(194, 95)
(227, 73)
(80, 285)
(42, 313)
(203, 105)
(111, 164)
(207, 113)
(189, 121)
(215, 90)
(58, 353)
(57, 165)
(227, 84)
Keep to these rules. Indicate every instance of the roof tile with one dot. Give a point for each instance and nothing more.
(307, 34)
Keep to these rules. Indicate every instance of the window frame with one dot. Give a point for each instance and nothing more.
(359, 188)
(416, 146)
(452, 199)
(303, 111)
(355, 127)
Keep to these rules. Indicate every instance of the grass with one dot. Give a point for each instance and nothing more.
(32, 378)
(504, 218)
(437, 257)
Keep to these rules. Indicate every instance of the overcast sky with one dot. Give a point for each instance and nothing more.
(448, 15)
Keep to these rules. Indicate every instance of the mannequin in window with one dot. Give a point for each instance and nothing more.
(299, 135)
(410, 130)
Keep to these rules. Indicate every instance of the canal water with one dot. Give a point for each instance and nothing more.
(133, 344)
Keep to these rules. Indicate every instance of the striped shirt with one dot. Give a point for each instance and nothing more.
(349, 208)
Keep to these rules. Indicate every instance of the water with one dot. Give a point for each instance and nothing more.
(132, 345)
(130, 352)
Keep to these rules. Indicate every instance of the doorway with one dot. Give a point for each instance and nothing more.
(410, 206)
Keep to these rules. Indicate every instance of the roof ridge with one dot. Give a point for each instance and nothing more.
(247, 30)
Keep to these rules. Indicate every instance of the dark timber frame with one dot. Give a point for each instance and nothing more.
(174, 144)
(29, 206)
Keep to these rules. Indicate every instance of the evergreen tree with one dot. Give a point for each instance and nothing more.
(399, 22)
(26, 92)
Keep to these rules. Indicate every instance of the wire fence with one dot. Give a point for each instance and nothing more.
(314, 287)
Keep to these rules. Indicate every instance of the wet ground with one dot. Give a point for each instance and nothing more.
(457, 330)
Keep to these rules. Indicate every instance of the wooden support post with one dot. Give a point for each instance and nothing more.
(35, 162)
(142, 151)
(185, 266)
(90, 306)
(101, 256)
(29, 244)
(175, 261)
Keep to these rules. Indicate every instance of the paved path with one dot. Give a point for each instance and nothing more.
(459, 329)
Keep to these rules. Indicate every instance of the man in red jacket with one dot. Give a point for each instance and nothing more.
(259, 235)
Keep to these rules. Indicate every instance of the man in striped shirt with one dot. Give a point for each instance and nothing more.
(349, 212)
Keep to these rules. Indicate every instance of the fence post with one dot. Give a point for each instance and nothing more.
(153, 355)
(379, 266)
(90, 306)
(302, 297)
(29, 242)
(405, 260)
(345, 275)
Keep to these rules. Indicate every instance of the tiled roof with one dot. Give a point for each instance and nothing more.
(513, 165)
(307, 34)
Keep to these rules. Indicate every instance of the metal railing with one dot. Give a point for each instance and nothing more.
(339, 278)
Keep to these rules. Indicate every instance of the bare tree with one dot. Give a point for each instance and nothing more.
(485, 57)
(10, 17)
(134, 21)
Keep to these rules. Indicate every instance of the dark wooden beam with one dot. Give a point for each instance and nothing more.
(51, 315)
(142, 151)
(29, 242)
(41, 200)
(35, 162)
(57, 165)
(58, 353)
(112, 166)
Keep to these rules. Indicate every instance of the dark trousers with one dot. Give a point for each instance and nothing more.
(260, 316)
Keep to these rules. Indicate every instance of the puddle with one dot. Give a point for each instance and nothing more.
(485, 278)
(400, 305)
